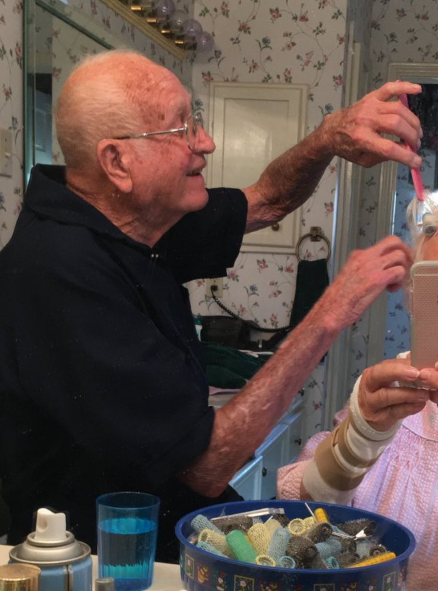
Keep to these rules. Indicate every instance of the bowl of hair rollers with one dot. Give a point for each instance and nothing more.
(292, 546)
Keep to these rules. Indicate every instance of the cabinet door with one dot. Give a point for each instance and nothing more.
(251, 125)
(297, 403)
(274, 453)
(294, 423)
(248, 480)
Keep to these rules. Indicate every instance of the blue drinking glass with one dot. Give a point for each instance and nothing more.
(127, 524)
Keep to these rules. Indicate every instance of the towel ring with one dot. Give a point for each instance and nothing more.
(315, 235)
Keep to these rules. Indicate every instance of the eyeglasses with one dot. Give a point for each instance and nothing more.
(190, 129)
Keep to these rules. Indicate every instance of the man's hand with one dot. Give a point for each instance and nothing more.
(365, 275)
(382, 404)
(355, 133)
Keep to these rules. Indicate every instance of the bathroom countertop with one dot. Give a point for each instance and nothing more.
(166, 576)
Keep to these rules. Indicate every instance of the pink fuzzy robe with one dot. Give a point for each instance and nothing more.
(402, 485)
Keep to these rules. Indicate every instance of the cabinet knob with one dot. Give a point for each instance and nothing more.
(275, 227)
(298, 441)
(264, 471)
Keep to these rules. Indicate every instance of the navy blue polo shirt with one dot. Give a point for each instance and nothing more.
(101, 382)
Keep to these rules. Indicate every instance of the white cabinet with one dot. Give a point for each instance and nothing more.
(294, 423)
(257, 479)
(274, 453)
(248, 480)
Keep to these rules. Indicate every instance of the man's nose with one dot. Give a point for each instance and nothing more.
(206, 143)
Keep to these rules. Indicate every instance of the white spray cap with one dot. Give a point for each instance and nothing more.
(50, 527)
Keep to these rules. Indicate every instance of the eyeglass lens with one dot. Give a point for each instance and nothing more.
(192, 130)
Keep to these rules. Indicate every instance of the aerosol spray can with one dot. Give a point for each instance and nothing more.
(65, 562)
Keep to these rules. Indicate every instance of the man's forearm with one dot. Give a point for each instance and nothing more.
(356, 133)
(242, 424)
(288, 181)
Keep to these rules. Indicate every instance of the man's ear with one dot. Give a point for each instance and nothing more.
(115, 164)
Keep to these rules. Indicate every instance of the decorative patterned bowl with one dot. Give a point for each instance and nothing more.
(202, 571)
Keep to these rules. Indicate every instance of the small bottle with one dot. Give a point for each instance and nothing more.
(105, 584)
(19, 577)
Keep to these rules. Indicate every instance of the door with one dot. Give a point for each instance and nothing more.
(251, 125)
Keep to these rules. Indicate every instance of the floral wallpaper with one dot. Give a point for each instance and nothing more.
(286, 41)
(11, 111)
(283, 42)
(401, 31)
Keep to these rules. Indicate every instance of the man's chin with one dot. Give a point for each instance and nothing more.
(196, 200)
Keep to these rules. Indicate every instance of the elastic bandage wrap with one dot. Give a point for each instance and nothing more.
(345, 456)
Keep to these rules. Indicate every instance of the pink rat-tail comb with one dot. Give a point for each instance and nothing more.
(415, 172)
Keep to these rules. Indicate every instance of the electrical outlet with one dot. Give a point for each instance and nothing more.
(217, 285)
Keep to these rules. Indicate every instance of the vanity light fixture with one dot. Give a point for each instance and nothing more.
(172, 29)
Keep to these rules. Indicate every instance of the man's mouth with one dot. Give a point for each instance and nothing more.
(194, 172)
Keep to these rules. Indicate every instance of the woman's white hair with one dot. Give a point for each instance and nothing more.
(107, 95)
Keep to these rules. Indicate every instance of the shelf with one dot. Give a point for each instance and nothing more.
(140, 23)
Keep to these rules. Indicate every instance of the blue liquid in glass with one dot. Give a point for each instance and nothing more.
(127, 552)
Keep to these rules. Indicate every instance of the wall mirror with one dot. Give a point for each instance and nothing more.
(389, 319)
(57, 36)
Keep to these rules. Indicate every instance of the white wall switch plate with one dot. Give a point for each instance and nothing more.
(5, 152)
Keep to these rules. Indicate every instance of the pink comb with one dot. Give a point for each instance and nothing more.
(415, 172)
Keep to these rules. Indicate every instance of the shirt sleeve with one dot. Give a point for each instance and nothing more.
(205, 243)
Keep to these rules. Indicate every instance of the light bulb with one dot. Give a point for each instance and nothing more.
(176, 22)
(164, 10)
(204, 42)
(191, 29)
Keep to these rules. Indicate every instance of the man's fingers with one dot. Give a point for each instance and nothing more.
(377, 114)
(394, 118)
(391, 243)
(387, 263)
(400, 153)
(393, 89)
(384, 149)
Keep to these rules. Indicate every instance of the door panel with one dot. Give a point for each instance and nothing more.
(251, 125)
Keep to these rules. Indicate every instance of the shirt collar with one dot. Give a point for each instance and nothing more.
(48, 196)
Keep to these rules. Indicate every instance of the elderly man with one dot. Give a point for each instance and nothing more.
(101, 383)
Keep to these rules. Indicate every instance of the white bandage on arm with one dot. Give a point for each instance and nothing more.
(345, 456)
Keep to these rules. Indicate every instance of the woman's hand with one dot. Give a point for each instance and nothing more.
(382, 403)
